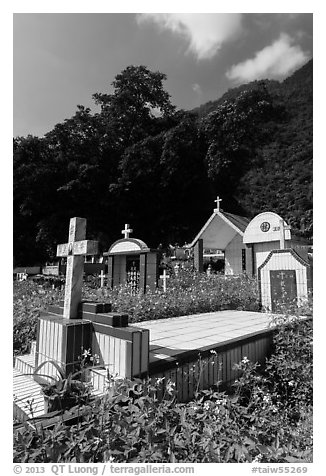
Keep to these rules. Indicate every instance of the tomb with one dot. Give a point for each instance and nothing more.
(223, 231)
(132, 263)
(165, 348)
(284, 279)
(26, 270)
(245, 243)
(266, 232)
(64, 330)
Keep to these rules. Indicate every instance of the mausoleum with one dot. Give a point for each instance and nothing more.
(224, 231)
(267, 232)
(246, 243)
(131, 262)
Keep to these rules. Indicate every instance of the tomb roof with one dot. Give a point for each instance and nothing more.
(128, 245)
(265, 227)
(220, 229)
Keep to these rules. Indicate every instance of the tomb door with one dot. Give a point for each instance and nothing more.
(132, 270)
(283, 287)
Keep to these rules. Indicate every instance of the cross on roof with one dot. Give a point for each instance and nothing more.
(218, 200)
(283, 227)
(75, 250)
(126, 230)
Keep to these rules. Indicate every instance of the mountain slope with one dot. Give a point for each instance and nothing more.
(280, 175)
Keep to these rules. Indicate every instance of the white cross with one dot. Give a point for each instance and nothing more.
(127, 230)
(218, 200)
(164, 276)
(75, 250)
(102, 276)
(283, 227)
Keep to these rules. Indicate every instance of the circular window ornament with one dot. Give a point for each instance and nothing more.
(265, 226)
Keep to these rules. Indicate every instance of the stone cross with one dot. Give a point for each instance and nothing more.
(164, 276)
(102, 276)
(283, 227)
(75, 251)
(218, 200)
(127, 230)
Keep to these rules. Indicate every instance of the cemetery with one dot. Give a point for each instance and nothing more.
(187, 353)
(150, 326)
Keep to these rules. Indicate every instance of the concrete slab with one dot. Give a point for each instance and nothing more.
(177, 335)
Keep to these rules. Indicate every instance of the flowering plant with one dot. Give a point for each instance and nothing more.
(65, 392)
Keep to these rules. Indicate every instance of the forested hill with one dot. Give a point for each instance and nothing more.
(252, 147)
(301, 81)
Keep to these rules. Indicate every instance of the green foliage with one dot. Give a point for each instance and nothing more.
(187, 293)
(63, 392)
(28, 301)
(234, 130)
(260, 422)
(139, 161)
(290, 368)
(130, 110)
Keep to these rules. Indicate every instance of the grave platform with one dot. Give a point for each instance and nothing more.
(194, 352)
(198, 350)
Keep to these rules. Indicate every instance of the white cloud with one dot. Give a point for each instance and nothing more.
(205, 32)
(275, 61)
(196, 87)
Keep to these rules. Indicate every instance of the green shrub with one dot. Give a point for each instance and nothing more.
(187, 293)
(29, 300)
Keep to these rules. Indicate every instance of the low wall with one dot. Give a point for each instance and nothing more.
(201, 369)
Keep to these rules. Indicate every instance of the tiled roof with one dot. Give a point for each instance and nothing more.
(237, 220)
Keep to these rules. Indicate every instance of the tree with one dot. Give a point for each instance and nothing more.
(234, 131)
(131, 111)
(33, 185)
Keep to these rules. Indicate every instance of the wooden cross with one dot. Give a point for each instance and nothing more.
(283, 227)
(218, 200)
(102, 276)
(127, 230)
(75, 251)
(164, 276)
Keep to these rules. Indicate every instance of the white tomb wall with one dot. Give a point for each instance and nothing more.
(283, 261)
(233, 256)
(49, 348)
(248, 260)
(112, 352)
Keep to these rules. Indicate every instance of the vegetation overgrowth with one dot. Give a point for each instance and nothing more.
(267, 419)
(253, 146)
(188, 293)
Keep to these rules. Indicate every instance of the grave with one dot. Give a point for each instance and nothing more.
(284, 278)
(65, 330)
(21, 276)
(164, 278)
(129, 351)
(223, 231)
(102, 277)
(29, 270)
(131, 262)
(266, 232)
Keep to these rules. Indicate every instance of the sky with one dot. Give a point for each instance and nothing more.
(53, 61)
(61, 59)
